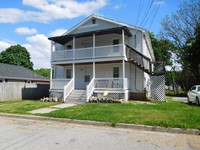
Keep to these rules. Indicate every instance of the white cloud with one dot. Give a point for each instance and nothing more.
(4, 45)
(48, 10)
(25, 30)
(159, 2)
(39, 48)
(10, 15)
(57, 32)
(119, 6)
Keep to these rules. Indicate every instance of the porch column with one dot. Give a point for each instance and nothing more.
(73, 74)
(123, 73)
(123, 44)
(51, 76)
(94, 44)
(51, 69)
(94, 70)
(74, 47)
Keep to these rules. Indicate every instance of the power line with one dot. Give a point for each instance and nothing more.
(154, 16)
(141, 4)
(148, 8)
(149, 15)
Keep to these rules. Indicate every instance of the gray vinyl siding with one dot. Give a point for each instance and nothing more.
(106, 70)
(59, 47)
(136, 84)
(136, 44)
(100, 24)
(60, 72)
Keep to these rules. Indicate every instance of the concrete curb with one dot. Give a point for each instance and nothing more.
(107, 124)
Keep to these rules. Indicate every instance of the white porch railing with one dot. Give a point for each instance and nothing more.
(68, 89)
(83, 53)
(58, 84)
(109, 51)
(89, 89)
(62, 55)
(109, 83)
(87, 53)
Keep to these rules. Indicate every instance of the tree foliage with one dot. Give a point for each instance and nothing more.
(163, 49)
(182, 28)
(16, 55)
(43, 72)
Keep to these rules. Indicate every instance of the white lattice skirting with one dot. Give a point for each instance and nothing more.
(158, 87)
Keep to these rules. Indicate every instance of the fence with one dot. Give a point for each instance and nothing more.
(21, 91)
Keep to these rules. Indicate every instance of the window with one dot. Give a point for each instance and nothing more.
(115, 72)
(93, 21)
(135, 38)
(69, 47)
(193, 88)
(198, 88)
(69, 52)
(115, 43)
(68, 73)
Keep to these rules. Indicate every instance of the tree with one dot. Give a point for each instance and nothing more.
(16, 55)
(163, 49)
(43, 72)
(192, 58)
(182, 28)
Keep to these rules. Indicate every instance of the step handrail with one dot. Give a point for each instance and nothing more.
(89, 89)
(68, 89)
(139, 58)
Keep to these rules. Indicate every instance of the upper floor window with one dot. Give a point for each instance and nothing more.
(135, 40)
(69, 46)
(93, 21)
(115, 43)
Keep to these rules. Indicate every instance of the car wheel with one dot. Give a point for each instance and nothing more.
(197, 101)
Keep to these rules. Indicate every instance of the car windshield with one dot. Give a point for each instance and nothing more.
(198, 89)
(193, 88)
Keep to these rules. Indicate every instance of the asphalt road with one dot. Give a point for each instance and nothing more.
(24, 134)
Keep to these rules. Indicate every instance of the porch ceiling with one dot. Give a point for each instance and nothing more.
(66, 38)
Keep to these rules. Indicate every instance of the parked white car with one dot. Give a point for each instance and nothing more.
(194, 94)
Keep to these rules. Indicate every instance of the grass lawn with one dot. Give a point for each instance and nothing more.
(169, 114)
(23, 106)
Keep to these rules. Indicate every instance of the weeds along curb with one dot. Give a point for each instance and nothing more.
(106, 124)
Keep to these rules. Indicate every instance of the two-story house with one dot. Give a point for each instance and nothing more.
(100, 54)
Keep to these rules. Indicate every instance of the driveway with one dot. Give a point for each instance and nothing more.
(180, 99)
(50, 135)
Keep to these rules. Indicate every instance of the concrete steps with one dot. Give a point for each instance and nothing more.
(77, 96)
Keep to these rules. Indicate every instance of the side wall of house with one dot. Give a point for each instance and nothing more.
(136, 40)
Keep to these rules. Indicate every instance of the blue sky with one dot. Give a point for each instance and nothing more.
(30, 22)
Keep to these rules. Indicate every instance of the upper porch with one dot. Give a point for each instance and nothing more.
(90, 46)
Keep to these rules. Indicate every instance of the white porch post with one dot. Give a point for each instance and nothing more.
(51, 76)
(94, 70)
(74, 47)
(123, 73)
(94, 44)
(73, 75)
(51, 71)
(123, 44)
